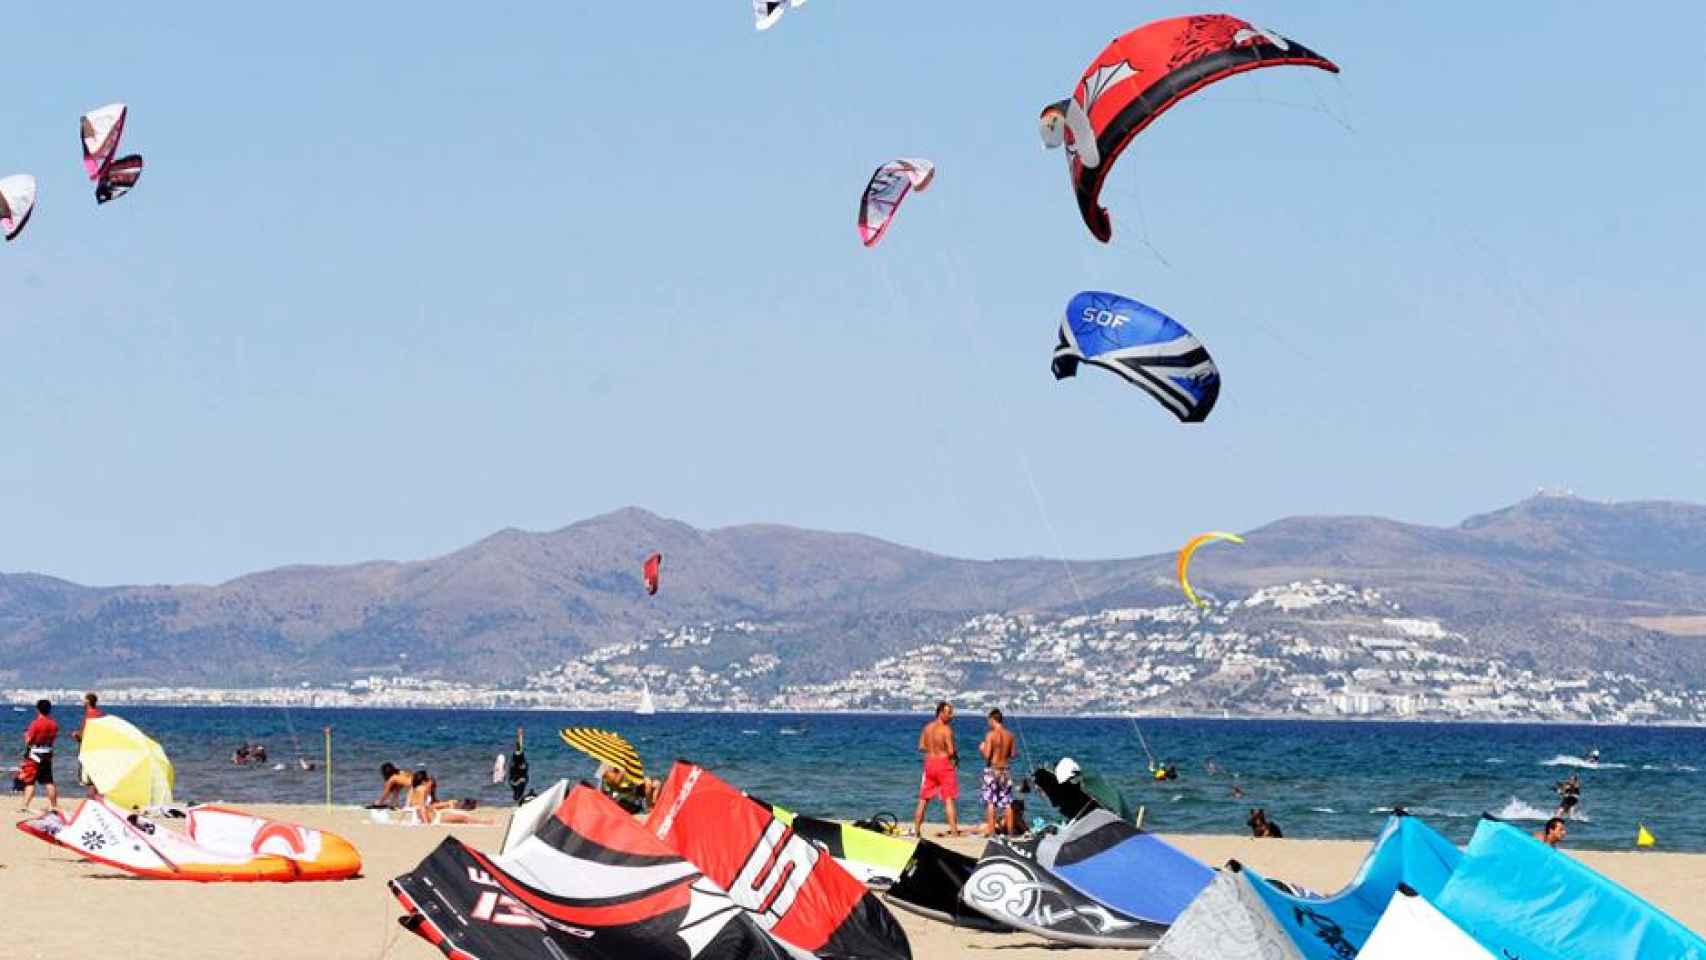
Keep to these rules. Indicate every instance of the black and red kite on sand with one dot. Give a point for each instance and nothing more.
(588, 884)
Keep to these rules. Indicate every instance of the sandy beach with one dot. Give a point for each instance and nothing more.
(79, 909)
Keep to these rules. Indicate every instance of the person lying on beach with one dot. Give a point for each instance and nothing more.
(423, 800)
(1552, 833)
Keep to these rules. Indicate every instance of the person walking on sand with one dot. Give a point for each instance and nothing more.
(941, 774)
(1553, 833)
(996, 788)
(38, 757)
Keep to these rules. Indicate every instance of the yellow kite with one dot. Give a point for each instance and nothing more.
(1185, 559)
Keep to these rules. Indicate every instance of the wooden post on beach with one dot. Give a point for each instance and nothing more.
(328, 768)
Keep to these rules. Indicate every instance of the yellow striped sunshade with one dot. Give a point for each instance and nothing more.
(607, 747)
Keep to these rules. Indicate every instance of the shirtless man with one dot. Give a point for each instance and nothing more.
(997, 787)
(941, 778)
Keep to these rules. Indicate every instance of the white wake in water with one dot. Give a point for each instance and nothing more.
(1565, 760)
(1518, 809)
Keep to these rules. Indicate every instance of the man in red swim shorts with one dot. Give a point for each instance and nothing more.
(941, 773)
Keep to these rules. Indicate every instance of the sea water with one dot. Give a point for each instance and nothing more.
(1316, 778)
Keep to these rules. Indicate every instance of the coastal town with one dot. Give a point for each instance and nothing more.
(1304, 649)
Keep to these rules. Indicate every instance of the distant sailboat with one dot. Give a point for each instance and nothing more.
(646, 707)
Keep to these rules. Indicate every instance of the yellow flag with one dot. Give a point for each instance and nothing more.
(1642, 837)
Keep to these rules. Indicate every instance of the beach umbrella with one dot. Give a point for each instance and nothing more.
(607, 747)
(124, 764)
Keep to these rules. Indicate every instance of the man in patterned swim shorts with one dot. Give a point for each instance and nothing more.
(997, 787)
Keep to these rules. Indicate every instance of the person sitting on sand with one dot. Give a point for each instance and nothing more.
(1553, 833)
(631, 795)
(423, 800)
(396, 785)
(1261, 826)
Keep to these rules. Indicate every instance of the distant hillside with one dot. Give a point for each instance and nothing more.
(1549, 580)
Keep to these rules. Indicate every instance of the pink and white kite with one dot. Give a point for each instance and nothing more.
(883, 195)
(102, 128)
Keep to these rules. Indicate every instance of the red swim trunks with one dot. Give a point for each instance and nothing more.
(941, 780)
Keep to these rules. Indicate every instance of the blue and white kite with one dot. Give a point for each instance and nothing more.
(1145, 346)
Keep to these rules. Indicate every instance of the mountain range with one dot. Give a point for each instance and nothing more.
(1551, 580)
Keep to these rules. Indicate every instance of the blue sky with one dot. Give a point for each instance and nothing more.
(394, 280)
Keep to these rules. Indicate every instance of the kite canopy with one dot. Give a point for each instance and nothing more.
(794, 890)
(1244, 916)
(607, 747)
(218, 844)
(767, 12)
(1142, 74)
(1011, 888)
(1103, 857)
(127, 767)
(888, 186)
(102, 129)
(586, 884)
(652, 571)
(1413, 929)
(120, 176)
(931, 884)
(1521, 898)
(17, 202)
(1151, 350)
(1189, 550)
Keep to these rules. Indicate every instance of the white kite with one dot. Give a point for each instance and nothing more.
(767, 12)
(17, 201)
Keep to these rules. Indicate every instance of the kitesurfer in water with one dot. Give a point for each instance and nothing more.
(1553, 833)
(996, 789)
(1569, 795)
(941, 774)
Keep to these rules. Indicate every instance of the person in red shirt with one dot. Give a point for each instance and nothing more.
(38, 756)
(90, 712)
